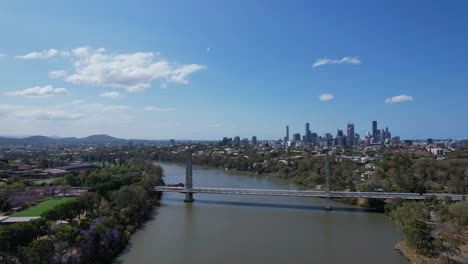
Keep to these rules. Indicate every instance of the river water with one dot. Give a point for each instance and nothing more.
(258, 229)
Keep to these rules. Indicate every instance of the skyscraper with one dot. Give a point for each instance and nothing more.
(254, 140)
(287, 134)
(382, 136)
(237, 140)
(374, 131)
(340, 138)
(307, 134)
(296, 137)
(374, 127)
(350, 135)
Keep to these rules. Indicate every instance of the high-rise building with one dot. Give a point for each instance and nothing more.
(286, 138)
(375, 132)
(236, 140)
(313, 138)
(350, 135)
(245, 141)
(254, 140)
(382, 136)
(307, 134)
(340, 138)
(296, 137)
(326, 141)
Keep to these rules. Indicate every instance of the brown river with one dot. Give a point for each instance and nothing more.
(258, 229)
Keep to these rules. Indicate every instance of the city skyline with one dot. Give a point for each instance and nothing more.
(245, 68)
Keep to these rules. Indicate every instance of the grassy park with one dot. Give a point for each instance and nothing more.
(42, 207)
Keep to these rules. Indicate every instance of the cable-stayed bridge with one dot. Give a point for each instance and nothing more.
(306, 193)
(189, 182)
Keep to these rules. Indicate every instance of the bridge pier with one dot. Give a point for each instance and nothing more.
(188, 177)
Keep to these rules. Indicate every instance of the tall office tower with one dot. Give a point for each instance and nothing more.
(382, 136)
(350, 135)
(313, 138)
(326, 141)
(339, 133)
(254, 140)
(287, 134)
(307, 133)
(236, 140)
(375, 132)
(374, 127)
(296, 137)
(340, 138)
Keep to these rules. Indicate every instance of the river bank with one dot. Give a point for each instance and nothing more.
(413, 257)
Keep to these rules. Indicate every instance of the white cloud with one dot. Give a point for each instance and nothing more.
(57, 74)
(344, 60)
(326, 97)
(39, 91)
(111, 95)
(157, 109)
(7, 109)
(79, 101)
(399, 99)
(180, 74)
(133, 71)
(50, 114)
(96, 107)
(45, 54)
(65, 53)
(38, 113)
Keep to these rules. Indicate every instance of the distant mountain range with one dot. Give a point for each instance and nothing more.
(93, 139)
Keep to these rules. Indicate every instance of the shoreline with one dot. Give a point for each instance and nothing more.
(412, 256)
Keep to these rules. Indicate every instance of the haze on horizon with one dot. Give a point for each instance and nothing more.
(208, 69)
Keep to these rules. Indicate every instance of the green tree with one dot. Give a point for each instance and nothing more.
(38, 252)
(418, 234)
(410, 211)
(66, 211)
(18, 234)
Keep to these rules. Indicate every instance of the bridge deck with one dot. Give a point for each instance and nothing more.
(305, 193)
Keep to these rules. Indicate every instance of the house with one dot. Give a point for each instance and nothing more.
(12, 220)
(55, 172)
(78, 167)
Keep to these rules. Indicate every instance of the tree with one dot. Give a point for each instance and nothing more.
(447, 241)
(418, 234)
(18, 234)
(410, 211)
(66, 211)
(131, 203)
(89, 202)
(459, 214)
(38, 252)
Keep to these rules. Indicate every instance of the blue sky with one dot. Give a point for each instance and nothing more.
(208, 69)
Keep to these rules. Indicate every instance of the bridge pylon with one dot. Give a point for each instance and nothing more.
(327, 181)
(188, 177)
